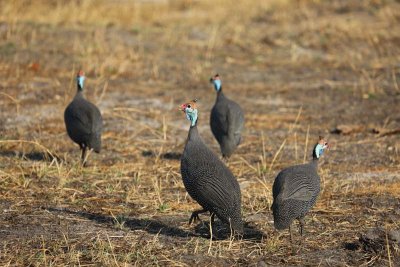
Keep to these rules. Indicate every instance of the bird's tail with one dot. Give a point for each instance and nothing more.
(238, 139)
(236, 224)
(281, 222)
(95, 143)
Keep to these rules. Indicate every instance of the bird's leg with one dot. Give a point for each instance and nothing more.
(195, 215)
(83, 156)
(301, 222)
(291, 235)
(301, 230)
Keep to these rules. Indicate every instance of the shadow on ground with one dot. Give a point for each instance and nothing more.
(149, 225)
(167, 155)
(33, 155)
(221, 231)
(157, 227)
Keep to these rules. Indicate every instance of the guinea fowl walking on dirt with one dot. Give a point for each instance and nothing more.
(83, 121)
(207, 179)
(295, 191)
(226, 120)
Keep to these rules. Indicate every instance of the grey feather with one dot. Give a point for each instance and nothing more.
(226, 121)
(210, 182)
(84, 123)
(295, 192)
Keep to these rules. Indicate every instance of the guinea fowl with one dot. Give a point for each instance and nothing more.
(226, 120)
(83, 121)
(207, 179)
(295, 191)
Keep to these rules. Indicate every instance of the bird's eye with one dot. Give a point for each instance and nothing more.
(189, 106)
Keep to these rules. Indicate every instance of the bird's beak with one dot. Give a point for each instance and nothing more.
(182, 107)
(327, 146)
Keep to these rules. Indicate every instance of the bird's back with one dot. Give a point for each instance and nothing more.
(210, 182)
(227, 121)
(295, 192)
(84, 123)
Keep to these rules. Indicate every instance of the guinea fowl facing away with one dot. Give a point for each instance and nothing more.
(295, 191)
(226, 120)
(83, 121)
(207, 179)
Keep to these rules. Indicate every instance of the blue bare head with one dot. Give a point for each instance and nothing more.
(216, 81)
(320, 148)
(190, 111)
(80, 78)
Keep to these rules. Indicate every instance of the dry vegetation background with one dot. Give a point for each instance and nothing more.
(298, 68)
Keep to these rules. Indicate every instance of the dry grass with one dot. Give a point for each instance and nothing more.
(298, 68)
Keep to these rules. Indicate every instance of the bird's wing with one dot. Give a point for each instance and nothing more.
(216, 192)
(79, 120)
(235, 120)
(298, 187)
(215, 184)
(95, 117)
(303, 193)
(219, 120)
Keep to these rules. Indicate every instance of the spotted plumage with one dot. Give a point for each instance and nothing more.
(206, 178)
(83, 121)
(226, 120)
(295, 191)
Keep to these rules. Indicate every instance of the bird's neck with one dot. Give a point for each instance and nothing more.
(79, 94)
(220, 94)
(314, 163)
(79, 88)
(79, 91)
(193, 133)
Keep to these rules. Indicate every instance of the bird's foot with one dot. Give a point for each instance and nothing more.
(194, 218)
(301, 226)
